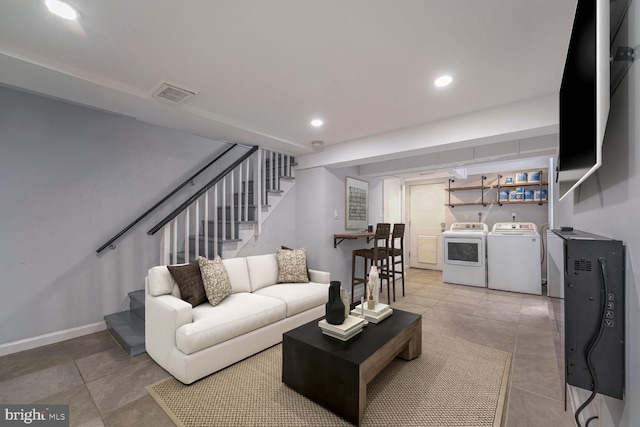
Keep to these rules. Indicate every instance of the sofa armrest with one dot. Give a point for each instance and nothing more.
(318, 276)
(164, 314)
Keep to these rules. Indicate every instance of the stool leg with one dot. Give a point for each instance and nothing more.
(365, 277)
(391, 263)
(353, 274)
(402, 270)
(388, 284)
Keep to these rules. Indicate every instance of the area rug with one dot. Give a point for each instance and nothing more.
(453, 383)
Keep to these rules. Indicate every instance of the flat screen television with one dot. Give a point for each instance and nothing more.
(584, 95)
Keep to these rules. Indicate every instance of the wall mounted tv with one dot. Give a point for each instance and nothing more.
(584, 95)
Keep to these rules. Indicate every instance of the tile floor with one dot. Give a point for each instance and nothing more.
(106, 387)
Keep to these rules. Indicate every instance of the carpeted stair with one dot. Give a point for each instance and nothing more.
(127, 327)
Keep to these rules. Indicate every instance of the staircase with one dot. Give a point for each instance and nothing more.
(219, 220)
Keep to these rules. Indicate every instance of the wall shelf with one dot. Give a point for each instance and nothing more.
(526, 184)
(471, 187)
(497, 186)
(480, 187)
(511, 202)
(529, 184)
(521, 202)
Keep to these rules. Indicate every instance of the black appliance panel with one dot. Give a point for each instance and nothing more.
(584, 299)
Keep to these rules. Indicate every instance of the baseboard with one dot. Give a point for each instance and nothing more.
(52, 338)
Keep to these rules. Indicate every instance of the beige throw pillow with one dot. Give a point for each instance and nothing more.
(215, 278)
(292, 265)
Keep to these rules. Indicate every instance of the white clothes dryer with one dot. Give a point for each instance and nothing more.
(465, 254)
(513, 258)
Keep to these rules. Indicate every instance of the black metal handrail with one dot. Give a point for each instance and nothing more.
(137, 220)
(200, 192)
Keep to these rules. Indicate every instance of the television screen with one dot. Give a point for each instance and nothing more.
(584, 95)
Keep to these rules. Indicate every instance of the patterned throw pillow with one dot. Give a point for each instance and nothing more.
(285, 248)
(292, 265)
(215, 278)
(189, 282)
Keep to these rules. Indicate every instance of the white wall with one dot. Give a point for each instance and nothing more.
(71, 178)
(318, 192)
(393, 200)
(611, 209)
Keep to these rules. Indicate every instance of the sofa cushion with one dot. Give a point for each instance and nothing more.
(161, 282)
(234, 316)
(298, 297)
(238, 274)
(215, 278)
(189, 282)
(292, 265)
(263, 270)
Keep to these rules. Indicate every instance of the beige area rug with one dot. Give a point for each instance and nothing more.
(453, 383)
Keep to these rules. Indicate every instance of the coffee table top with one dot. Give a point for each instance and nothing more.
(362, 346)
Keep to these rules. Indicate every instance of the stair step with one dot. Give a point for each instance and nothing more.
(224, 242)
(275, 191)
(136, 303)
(236, 212)
(128, 329)
(180, 254)
(287, 178)
(228, 219)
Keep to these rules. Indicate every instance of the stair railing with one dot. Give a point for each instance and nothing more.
(239, 194)
(276, 165)
(222, 184)
(110, 243)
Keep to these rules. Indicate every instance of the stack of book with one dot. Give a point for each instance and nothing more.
(377, 315)
(351, 327)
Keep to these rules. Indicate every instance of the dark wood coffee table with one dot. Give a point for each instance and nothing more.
(335, 373)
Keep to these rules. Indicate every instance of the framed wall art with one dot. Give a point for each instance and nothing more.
(356, 204)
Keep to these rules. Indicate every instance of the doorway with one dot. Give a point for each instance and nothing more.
(426, 219)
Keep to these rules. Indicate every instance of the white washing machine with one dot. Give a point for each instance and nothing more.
(513, 258)
(465, 254)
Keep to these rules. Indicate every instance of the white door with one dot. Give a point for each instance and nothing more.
(426, 216)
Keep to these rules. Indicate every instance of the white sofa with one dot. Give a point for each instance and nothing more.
(193, 342)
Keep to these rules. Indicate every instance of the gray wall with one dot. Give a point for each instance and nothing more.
(610, 208)
(319, 191)
(279, 229)
(70, 178)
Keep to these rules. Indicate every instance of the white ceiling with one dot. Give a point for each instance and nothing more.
(263, 69)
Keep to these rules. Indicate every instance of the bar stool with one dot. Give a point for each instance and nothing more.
(394, 253)
(378, 256)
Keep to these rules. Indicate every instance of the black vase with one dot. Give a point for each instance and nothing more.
(335, 307)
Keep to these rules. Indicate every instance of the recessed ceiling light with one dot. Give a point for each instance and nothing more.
(443, 81)
(62, 9)
(316, 122)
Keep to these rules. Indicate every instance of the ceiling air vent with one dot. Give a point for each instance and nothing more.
(172, 93)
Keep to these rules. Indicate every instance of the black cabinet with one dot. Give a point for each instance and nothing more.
(594, 312)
